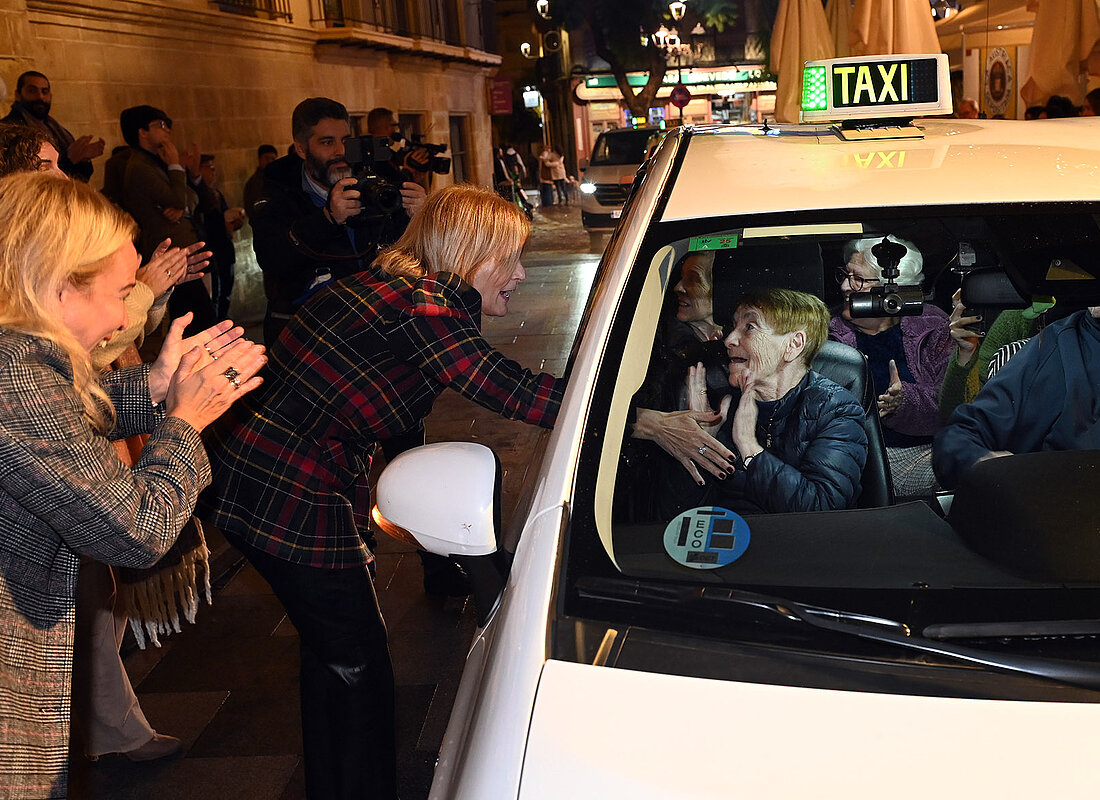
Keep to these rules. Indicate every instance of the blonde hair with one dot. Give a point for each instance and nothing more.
(457, 230)
(54, 232)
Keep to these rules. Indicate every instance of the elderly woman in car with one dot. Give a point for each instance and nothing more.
(908, 358)
(797, 437)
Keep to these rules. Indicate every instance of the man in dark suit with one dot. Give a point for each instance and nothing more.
(159, 190)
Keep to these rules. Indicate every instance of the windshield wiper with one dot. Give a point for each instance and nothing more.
(865, 627)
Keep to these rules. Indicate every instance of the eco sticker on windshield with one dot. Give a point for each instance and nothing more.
(707, 537)
(727, 242)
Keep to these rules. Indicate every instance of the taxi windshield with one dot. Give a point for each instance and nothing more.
(621, 147)
(832, 362)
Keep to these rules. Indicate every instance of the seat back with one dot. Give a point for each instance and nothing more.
(848, 367)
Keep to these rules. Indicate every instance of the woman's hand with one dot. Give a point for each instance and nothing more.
(166, 268)
(200, 394)
(891, 400)
(210, 341)
(197, 261)
(744, 418)
(966, 338)
(696, 387)
(681, 435)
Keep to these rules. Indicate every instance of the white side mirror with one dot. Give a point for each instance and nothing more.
(440, 497)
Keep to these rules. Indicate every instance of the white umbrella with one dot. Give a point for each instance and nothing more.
(882, 27)
(801, 34)
(1066, 36)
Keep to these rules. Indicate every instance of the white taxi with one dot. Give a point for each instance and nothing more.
(904, 647)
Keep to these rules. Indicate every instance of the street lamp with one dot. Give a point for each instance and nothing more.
(543, 8)
(525, 49)
(945, 9)
(677, 10)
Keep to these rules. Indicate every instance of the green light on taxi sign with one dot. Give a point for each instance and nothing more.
(727, 242)
(876, 87)
(815, 97)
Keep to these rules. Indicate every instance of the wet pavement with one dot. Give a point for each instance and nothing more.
(228, 685)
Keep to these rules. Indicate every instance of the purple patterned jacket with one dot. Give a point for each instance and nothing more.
(928, 347)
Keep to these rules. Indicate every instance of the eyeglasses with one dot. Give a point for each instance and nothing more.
(857, 282)
(159, 123)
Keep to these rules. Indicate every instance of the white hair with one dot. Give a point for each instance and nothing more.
(910, 268)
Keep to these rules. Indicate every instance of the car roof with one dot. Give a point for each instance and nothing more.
(729, 170)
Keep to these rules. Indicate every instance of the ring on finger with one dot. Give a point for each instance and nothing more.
(236, 383)
(231, 374)
(703, 450)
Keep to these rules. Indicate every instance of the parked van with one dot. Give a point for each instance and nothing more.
(615, 158)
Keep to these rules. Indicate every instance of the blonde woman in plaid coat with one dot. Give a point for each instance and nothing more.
(67, 263)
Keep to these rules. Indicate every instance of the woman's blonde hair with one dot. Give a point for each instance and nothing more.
(53, 232)
(457, 230)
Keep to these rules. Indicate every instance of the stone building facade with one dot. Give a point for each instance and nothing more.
(230, 72)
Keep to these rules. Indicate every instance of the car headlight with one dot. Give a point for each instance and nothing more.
(588, 188)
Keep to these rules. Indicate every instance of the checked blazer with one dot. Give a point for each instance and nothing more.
(65, 493)
(363, 360)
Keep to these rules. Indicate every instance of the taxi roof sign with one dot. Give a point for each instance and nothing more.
(876, 87)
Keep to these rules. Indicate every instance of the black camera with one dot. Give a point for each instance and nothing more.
(436, 163)
(379, 196)
(890, 299)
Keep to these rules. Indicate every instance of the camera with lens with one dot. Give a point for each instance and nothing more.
(379, 196)
(438, 164)
(891, 299)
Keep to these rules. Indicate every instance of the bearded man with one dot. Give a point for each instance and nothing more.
(33, 101)
(310, 227)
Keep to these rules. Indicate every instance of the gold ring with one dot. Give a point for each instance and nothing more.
(236, 383)
(231, 373)
(168, 272)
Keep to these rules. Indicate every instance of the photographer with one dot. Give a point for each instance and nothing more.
(415, 161)
(312, 226)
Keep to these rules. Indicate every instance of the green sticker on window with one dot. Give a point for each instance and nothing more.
(727, 242)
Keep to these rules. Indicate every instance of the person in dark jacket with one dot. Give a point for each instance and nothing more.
(1043, 398)
(311, 225)
(797, 437)
(33, 101)
(363, 360)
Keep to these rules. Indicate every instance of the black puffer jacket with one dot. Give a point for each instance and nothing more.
(814, 462)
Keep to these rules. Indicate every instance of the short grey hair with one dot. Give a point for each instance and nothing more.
(910, 268)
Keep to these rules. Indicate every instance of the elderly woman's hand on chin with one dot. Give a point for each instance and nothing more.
(199, 377)
(745, 416)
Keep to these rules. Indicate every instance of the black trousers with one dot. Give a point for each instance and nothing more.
(347, 689)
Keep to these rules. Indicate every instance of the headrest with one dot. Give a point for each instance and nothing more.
(845, 365)
(784, 265)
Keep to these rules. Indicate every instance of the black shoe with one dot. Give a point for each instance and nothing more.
(443, 577)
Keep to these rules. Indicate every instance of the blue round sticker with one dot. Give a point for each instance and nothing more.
(707, 538)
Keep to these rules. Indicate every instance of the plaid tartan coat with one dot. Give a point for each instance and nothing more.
(65, 492)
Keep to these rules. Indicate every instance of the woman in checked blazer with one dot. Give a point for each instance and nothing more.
(67, 263)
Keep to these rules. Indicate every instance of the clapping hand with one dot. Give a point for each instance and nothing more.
(696, 385)
(85, 148)
(744, 418)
